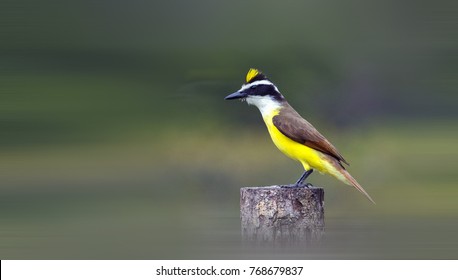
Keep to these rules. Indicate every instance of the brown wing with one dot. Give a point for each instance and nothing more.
(291, 124)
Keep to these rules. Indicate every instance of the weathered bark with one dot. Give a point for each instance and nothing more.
(282, 214)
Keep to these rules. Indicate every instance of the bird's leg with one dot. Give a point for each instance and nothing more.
(303, 177)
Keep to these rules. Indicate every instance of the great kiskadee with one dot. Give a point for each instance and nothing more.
(291, 133)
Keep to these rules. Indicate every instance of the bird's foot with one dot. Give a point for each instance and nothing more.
(304, 176)
(296, 185)
(304, 185)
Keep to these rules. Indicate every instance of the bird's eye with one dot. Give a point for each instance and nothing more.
(253, 87)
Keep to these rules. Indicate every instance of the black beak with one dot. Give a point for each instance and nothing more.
(235, 95)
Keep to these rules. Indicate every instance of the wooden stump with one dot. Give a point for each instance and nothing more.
(282, 214)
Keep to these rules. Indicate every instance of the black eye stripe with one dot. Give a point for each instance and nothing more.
(264, 90)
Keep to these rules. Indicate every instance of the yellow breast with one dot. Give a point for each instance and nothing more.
(309, 157)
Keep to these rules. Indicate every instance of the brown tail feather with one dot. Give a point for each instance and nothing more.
(352, 181)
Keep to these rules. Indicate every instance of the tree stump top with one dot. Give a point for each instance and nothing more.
(281, 212)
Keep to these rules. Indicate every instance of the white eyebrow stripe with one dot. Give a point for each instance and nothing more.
(255, 83)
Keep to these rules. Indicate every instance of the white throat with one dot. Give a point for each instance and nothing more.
(265, 104)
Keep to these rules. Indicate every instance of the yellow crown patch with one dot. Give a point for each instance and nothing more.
(251, 74)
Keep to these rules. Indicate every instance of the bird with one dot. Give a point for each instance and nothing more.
(291, 133)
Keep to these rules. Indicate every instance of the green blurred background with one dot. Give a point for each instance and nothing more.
(116, 143)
